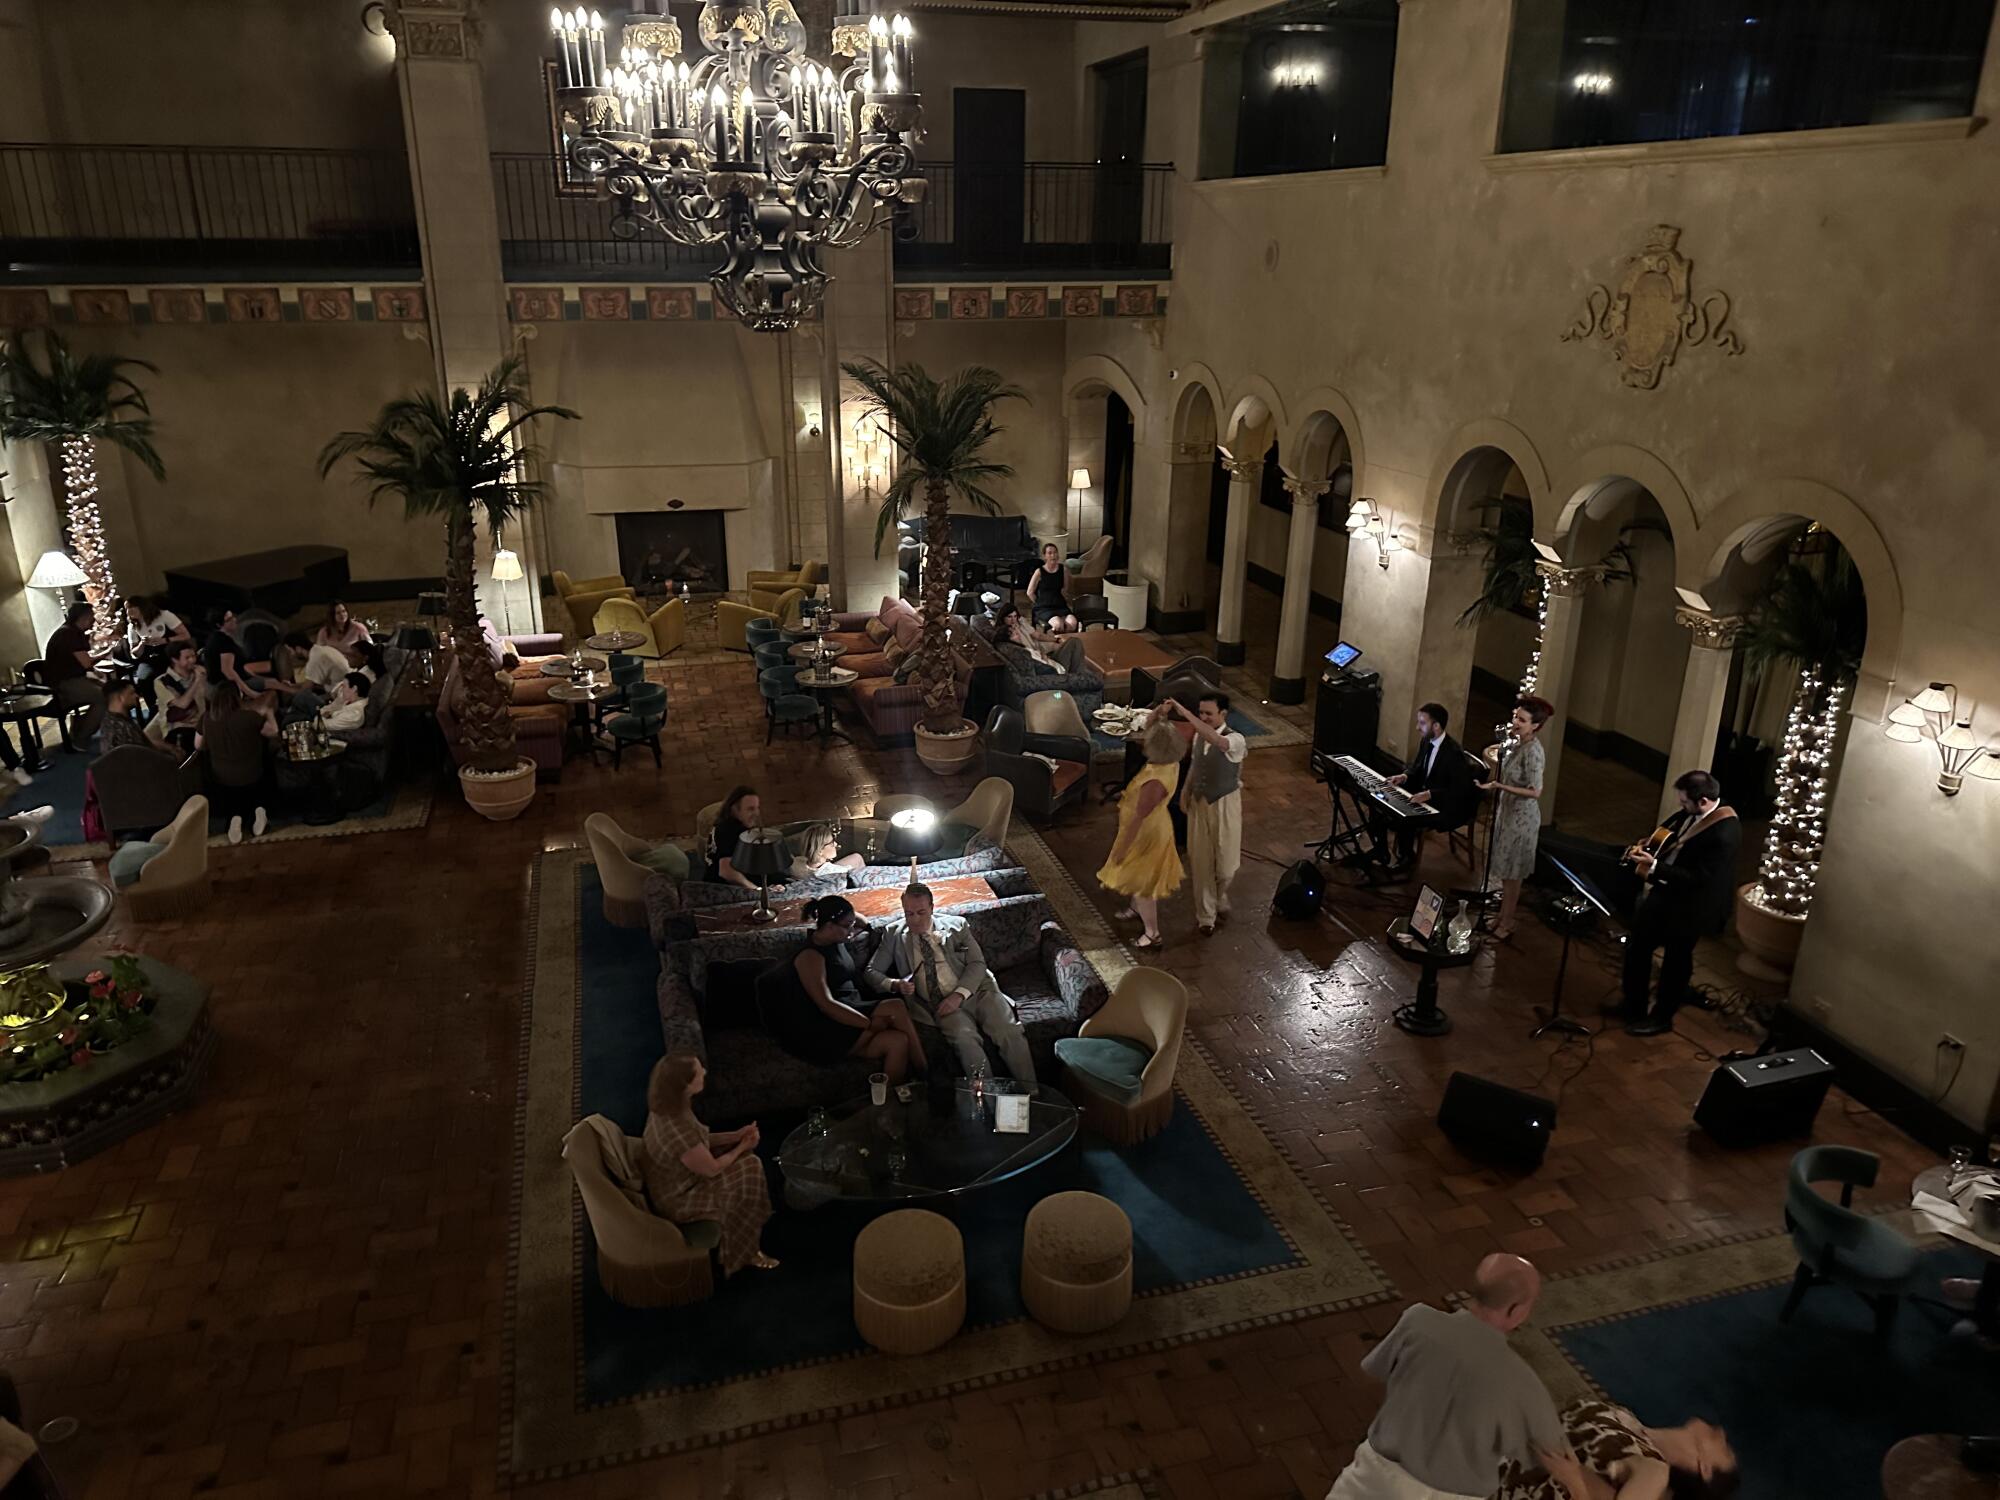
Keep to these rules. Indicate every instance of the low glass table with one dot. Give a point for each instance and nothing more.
(897, 1151)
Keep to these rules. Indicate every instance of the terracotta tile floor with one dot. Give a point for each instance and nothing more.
(295, 1288)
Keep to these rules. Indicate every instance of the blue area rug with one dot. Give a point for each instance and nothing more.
(1194, 1220)
(1811, 1406)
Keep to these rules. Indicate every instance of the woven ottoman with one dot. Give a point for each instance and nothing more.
(1076, 1262)
(909, 1281)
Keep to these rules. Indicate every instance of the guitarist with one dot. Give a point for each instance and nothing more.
(1690, 875)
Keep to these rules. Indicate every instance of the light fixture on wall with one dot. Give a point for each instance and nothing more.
(1363, 519)
(57, 570)
(1079, 481)
(754, 150)
(1933, 715)
(868, 451)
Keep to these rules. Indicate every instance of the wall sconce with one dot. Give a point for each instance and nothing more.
(1363, 519)
(812, 423)
(1933, 715)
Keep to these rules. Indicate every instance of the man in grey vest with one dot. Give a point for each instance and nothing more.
(934, 962)
(1212, 798)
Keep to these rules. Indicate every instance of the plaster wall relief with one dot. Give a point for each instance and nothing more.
(1654, 311)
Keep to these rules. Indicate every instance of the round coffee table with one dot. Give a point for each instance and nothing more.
(817, 650)
(823, 683)
(322, 792)
(563, 666)
(582, 699)
(22, 706)
(615, 640)
(924, 1147)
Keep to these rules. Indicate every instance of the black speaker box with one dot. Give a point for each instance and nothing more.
(1766, 1098)
(1494, 1123)
(1348, 715)
(1300, 891)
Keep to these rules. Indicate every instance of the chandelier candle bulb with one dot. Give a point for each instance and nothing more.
(878, 42)
(597, 68)
(901, 31)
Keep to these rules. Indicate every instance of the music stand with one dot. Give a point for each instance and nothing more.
(1574, 912)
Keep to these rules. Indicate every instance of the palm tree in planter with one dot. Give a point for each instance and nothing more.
(69, 405)
(458, 461)
(1812, 615)
(940, 429)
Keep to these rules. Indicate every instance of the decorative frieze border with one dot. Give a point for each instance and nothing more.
(34, 306)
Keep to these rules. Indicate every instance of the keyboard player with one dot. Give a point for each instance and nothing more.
(1439, 776)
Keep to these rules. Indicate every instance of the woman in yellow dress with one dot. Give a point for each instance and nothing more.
(1144, 865)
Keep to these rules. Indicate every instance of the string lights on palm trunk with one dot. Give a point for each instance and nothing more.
(1790, 870)
(755, 149)
(85, 526)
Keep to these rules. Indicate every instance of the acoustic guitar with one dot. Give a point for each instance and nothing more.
(1652, 844)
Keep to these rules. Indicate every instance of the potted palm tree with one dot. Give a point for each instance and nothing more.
(70, 403)
(1812, 615)
(459, 461)
(940, 429)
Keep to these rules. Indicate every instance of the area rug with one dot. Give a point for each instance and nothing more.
(1810, 1406)
(588, 1384)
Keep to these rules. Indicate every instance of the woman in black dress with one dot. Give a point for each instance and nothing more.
(1045, 593)
(815, 1010)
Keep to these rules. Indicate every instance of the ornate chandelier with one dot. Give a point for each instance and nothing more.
(754, 149)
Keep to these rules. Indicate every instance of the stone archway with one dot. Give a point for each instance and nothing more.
(1174, 553)
(1250, 433)
(1319, 481)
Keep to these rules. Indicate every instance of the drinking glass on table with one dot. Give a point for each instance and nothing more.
(1961, 1164)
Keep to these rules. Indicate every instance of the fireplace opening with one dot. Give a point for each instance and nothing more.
(671, 551)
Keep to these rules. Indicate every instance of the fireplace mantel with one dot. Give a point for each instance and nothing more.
(607, 489)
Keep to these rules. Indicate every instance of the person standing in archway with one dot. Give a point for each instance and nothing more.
(1212, 797)
(1689, 882)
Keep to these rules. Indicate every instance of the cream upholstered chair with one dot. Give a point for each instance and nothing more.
(704, 825)
(175, 881)
(1076, 1262)
(989, 809)
(1122, 1061)
(1054, 712)
(1088, 575)
(643, 1260)
(618, 869)
(665, 629)
(909, 1281)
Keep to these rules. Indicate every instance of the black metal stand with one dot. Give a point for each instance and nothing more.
(1422, 1017)
(1572, 912)
(1485, 901)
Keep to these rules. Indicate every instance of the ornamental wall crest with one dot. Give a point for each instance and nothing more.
(1654, 312)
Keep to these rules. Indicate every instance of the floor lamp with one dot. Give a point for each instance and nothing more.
(506, 570)
(1079, 481)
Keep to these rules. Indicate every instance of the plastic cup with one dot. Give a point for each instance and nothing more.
(878, 1087)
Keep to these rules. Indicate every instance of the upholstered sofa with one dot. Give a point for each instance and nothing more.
(540, 723)
(1026, 676)
(581, 597)
(708, 1001)
(140, 789)
(890, 708)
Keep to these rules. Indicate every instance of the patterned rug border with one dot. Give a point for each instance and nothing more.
(1135, 1484)
(546, 1433)
(411, 809)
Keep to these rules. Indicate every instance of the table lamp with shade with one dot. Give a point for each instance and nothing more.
(913, 833)
(57, 570)
(1079, 481)
(506, 569)
(762, 855)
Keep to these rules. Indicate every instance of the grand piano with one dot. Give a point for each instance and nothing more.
(281, 581)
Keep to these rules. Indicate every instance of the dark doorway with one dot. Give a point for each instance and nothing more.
(1121, 148)
(1218, 508)
(990, 127)
(1118, 476)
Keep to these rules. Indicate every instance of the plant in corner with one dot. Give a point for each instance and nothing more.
(70, 405)
(1813, 615)
(458, 461)
(941, 430)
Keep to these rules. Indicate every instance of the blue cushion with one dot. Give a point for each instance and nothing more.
(794, 706)
(671, 860)
(1107, 1065)
(130, 860)
(627, 727)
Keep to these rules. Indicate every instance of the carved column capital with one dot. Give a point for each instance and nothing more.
(1566, 583)
(1247, 470)
(1194, 453)
(1715, 632)
(1306, 491)
(436, 28)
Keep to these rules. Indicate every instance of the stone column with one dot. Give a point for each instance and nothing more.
(1554, 669)
(1704, 686)
(1288, 683)
(1244, 475)
(1175, 553)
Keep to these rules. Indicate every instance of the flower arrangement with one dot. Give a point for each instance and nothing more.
(48, 1026)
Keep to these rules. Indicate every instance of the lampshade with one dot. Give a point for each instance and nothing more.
(1904, 733)
(1079, 479)
(1909, 715)
(506, 566)
(430, 604)
(913, 832)
(1985, 767)
(1935, 699)
(1959, 737)
(762, 854)
(1357, 518)
(56, 571)
(1392, 543)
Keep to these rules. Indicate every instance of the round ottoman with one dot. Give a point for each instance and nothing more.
(1076, 1262)
(909, 1281)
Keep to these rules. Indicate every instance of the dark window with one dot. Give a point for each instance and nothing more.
(1338, 500)
(1614, 72)
(1299, 88)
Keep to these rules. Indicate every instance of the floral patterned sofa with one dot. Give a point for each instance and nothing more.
(707, 997)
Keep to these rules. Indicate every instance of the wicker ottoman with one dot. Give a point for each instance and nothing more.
(909, 1281)
(1076, 1262)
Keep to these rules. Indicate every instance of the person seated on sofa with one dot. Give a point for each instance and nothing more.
(1046, 596)
(121, 697)
(813, 1008)
(342, 632)
(232, 735)
(348, 708)
(1026, 649)
(178, 695)
(694, 1173)
(934, 963)
(743, 810)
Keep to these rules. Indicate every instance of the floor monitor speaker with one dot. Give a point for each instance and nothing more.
(1766, 1098)
(1300, 891)
(1492, 1122)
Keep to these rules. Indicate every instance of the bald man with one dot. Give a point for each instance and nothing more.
(1459, 1401)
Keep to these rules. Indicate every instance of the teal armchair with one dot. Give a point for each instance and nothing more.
(1839, 1246)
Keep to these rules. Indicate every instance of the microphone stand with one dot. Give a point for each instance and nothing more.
(1484, 901)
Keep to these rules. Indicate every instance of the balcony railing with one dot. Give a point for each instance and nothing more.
(1044, 217)
(142, 209)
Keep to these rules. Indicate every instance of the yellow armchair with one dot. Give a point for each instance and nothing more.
(731, 617)
(808, 576)
(782, 603)
(583, 598)
(665, 629)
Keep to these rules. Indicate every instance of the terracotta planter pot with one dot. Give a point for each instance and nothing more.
(1770, 940)
(499, 795)
(948, 754)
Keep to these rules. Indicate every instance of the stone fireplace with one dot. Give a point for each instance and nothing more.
(673, 549)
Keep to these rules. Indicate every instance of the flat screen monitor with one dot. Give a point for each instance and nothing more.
(1343, 656)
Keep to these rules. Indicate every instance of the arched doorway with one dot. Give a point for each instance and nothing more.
(1487, 508)
(1249, 446)
(1176, 554)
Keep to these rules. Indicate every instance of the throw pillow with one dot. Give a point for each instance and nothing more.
(1113, 1066)
(895, 652)
(876, 631)
(131, 859)
(671, 860)
(909, 629)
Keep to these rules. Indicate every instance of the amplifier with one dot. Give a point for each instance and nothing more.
(1764, 1098)
(1347, 715)
(1494, 1123)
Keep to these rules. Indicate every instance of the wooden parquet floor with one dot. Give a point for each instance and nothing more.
(295, 1288)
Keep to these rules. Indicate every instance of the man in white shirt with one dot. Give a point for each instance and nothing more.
(1459, 1401)
(349, 708)
(1212, 798)
(935, 964)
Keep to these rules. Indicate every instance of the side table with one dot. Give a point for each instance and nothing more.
(1421, 1017)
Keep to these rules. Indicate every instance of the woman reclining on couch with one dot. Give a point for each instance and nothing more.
(813, 1006)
